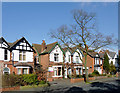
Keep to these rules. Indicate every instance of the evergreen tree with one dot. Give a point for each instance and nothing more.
(106, 65)
(112, 68)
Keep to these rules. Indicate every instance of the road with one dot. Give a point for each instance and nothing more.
(108, 85)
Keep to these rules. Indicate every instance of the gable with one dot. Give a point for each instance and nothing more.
(22, 44)
(56, 46)
(78, 51)
(3, 43)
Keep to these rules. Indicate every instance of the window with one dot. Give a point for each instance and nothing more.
(19, 70)
(69, 58)
(56, 58)
(77, 71)
(25, 71)
(101, 61)
(37, 59)
(6, 70)
(22, 56)
(96, 60)
(77, 59)
(6, 54)
(57, 71)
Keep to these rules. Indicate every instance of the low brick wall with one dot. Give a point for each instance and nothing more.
(10, 88)
(50, 79)
(74, 80)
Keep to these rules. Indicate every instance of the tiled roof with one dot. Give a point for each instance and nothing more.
(37, 47)
(48, 47)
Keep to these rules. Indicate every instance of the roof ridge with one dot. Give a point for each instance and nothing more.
(52, 43)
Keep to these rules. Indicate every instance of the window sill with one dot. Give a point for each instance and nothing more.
(56, 76)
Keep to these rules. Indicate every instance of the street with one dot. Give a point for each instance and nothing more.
(108, 85)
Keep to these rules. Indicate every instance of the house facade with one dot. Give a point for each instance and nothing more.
(17, 57)
(51, 58)
(63, 62)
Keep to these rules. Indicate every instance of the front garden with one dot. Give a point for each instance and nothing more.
(23, 81)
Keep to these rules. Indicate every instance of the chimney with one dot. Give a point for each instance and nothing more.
(43, 45)
(107, 51)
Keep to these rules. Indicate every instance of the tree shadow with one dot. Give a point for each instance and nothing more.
(75, 89)
(104, 87)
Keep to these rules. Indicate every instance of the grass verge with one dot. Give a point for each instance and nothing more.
(33, 86)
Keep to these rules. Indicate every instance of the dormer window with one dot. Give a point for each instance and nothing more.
(5, 54)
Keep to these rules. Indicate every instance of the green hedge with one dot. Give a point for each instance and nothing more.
(21, 80)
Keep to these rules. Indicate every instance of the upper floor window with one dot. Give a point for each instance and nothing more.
(6, 54)
(101, 61)
(37, 59)
(77, 59)
(69, 58)
(96, 60)
(22, 55)
(56, 57)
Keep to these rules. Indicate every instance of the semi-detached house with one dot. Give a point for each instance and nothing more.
(61, 62)
(17, 57)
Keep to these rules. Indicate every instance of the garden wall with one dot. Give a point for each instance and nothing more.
(10, 88)
(74, 80)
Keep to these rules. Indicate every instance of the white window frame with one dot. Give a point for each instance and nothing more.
(96, 61)
(56, 69)
(22, 53)
(57, 57)
(77, 59)
(6, 55)
(20, 71)
(27, 70)
(8, 71)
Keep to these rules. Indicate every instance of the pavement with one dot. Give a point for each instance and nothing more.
(108, 85)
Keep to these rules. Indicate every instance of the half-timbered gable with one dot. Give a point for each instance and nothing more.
(4, 50)
(22, 51)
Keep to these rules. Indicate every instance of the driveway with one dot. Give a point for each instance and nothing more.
(108, 85)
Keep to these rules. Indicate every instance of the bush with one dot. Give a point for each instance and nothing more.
(9, 80)
(42, 82)
(69, 76)
(90, 75)
(29, 79)
(96, 73)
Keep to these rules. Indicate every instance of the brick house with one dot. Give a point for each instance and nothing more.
(17, 57)
(51, 58)
(56, 60)
(98, 61)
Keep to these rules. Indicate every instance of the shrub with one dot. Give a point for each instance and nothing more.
(10, 80)
(69, 76)
(29, 79)
(90, 75)
(42, 82)
(95, 73)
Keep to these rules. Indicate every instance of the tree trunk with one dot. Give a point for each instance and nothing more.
(86, 71)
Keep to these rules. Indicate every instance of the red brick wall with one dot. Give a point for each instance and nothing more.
(90, 63)
(44, 61)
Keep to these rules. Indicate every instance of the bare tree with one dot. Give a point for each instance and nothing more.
(82, 32)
